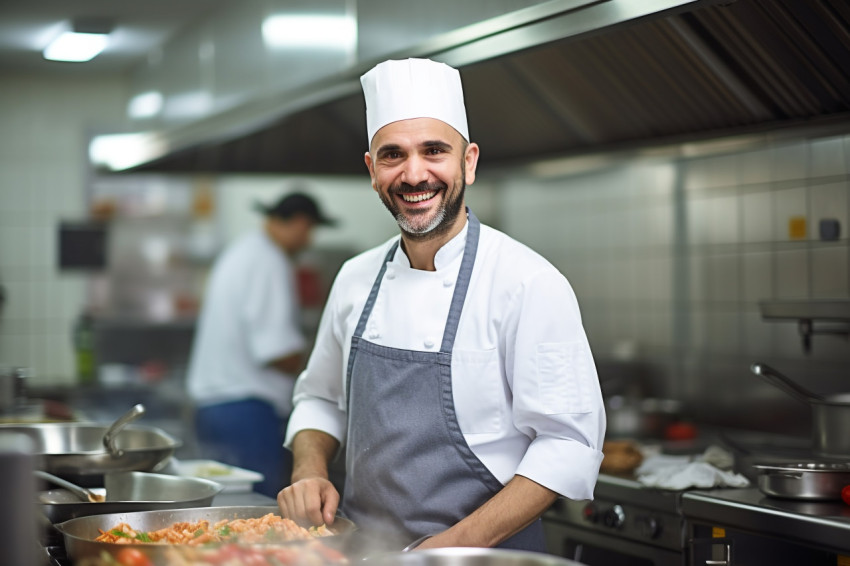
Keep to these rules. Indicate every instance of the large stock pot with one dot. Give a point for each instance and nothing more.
(830, 414)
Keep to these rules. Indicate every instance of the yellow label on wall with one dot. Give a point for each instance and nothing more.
(718, 532)
(842, 560)
(797, 228)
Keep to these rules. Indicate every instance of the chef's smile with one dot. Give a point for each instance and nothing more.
(418, 197)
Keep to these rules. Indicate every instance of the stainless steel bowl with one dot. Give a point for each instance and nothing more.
(131, 491)
(460, 556)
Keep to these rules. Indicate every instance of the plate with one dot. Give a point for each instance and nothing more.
(232, 478)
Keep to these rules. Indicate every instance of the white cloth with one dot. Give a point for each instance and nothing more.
(250, 316)
(525, 387)
(413, 88)
(684, 472)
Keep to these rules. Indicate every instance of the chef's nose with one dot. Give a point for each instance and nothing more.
(415, 171)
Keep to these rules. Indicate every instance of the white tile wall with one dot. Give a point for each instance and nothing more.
(757, 217)
(830, 272)
(731, 251)
(42, 179)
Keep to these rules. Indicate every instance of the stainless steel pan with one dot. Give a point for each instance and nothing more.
(830, 414)
(79, 533)
(131, 491)
(812, 481)
(78, 450)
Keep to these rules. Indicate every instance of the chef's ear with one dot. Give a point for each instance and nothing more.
(470, 158)
(370, 165)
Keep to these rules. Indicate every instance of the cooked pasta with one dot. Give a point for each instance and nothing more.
(268, 528)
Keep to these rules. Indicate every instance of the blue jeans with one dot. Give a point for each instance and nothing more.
(248, 434)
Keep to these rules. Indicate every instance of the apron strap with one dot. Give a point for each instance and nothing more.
(463, 278)
(370, 303)
(373, 294)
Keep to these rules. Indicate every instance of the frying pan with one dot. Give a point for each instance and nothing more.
(812, 481)
(79, 533)
(84, 452)
(131, 491)
(830, 414)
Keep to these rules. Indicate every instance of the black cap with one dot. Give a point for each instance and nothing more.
(296, 203)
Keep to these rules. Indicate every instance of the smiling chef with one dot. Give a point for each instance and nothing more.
(450, 362)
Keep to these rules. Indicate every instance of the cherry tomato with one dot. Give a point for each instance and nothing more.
(132, 557)
(845, 494)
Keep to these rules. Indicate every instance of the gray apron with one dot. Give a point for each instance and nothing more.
(409, 471)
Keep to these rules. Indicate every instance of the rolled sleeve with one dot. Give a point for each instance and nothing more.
(316, 414)
(565, 466)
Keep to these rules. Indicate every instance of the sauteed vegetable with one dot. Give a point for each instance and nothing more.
(268, 528)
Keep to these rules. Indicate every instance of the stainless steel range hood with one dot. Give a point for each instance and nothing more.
(601, 76)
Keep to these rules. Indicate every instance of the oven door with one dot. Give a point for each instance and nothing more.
(605, 549)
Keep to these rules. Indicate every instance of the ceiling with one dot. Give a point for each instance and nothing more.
(723, 69)
(140, 28)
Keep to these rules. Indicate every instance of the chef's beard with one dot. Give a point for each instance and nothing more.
(442, 221)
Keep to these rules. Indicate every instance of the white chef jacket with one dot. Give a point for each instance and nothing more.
(525, 388)
(250, 316)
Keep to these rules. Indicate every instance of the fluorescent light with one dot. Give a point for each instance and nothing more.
(76, 47)
(122, 151)
(312, 31)
(145, 104)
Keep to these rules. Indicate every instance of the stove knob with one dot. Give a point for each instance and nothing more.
(649, 527)
(614, 517)
(590, 513)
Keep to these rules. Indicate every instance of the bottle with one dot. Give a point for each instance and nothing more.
(84, 348)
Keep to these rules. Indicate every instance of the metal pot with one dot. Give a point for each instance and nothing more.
(79, 533)
(131, 491)
(460, 556)
(805, 480)
(830, 414)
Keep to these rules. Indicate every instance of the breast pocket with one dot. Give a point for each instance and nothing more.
(479, 390)
(566, 374)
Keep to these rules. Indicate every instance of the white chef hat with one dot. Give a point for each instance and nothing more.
(413, 88)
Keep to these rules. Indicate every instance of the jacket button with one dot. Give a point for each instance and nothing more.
(374, 334)
(390, 274)
(429, 342)
(447, 282)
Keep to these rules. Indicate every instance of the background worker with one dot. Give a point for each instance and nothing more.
(249, 346)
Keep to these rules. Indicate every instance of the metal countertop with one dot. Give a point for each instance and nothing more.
(822, 523)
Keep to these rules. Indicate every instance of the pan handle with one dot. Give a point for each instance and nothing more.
(785, 383)
(116, 427)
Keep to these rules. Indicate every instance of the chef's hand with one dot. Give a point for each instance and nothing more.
(311, 500)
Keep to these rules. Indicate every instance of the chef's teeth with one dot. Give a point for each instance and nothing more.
(419, 197)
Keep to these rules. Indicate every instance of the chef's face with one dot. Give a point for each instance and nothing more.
(420, 169)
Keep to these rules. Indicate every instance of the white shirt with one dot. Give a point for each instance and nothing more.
(525, 388)
(250, 317)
